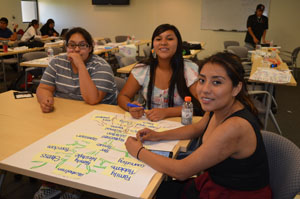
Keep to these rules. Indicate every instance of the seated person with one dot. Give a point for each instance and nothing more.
(48, 28)
(164, 80)
(32, 31)
(79, 75)
(6, 33)
(232, 154)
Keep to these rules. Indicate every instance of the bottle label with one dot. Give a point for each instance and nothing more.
(186, 116)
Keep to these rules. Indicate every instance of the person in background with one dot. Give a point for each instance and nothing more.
(164, 79)
(6, 33)
(232, 155)
(32, 31)
(48, 28)
(257, 25)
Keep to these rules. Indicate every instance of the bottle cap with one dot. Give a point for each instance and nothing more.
(187, 99)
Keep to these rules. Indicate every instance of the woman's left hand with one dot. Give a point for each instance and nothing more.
(156, 114)
(75, 59)
(133, 145)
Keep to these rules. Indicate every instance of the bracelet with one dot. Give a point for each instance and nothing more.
(137, 155)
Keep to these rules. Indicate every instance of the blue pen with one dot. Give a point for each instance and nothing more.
(133, 105)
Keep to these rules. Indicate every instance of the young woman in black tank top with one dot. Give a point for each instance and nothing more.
(232, 155)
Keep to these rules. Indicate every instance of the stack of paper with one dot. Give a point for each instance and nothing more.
(271, 75)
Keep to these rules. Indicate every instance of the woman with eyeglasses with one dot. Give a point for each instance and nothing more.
(164, 79)
(78, 75)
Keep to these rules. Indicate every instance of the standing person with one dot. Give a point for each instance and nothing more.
(48, 28)
(164, 79)
(32, 31)
(6, 33)
(257, 26)
(232, 154)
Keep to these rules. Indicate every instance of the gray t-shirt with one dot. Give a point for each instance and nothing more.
(60, 75)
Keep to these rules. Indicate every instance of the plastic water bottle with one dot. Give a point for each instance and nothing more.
(187, 111)
(50, 53)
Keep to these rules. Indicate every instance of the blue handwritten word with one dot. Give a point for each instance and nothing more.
(79, 174)
(113, 138)
(125, 121)
(116, 134)
(123, 169)
(54, 158)
(113, 129)
(87, 137)
(105, 146)
(65, 149)
(84, 159)
(122, 176)
(117, 127)
(122, 161)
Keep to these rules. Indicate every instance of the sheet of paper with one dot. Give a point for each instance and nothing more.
(91, 151)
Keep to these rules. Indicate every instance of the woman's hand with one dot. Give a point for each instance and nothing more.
(133, 145)
(156, 114)
(47, 104)
(75, 59)
(136, 112)
(147, 134)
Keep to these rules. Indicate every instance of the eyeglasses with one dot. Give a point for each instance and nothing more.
(81, 46)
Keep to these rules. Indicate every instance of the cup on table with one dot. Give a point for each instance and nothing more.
(5, 46)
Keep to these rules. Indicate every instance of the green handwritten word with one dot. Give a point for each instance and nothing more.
(54, 158)
(122, 176)
(122, 161)
(86, 137)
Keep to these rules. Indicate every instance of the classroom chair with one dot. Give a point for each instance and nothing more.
(262, 101)
(147, 51)
(290, 58)
(230, 43)
(33, 70)
(284, 165)
(121, 38)
(120, 82)
(242, 53)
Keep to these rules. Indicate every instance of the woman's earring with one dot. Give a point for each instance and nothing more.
(153, 53)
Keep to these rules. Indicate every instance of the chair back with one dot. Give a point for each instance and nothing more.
(240, 51)
(120, 82)
(121, 38)
(284, 165)
(107, 40)
(34, 55)
(295, 54)
(125, 61)
(230, 43)
(147, 51)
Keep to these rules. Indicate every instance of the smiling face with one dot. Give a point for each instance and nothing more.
(165, 44)
(83, 49)
(214, 89)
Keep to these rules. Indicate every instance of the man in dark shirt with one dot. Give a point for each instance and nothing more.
(6, 33)
(257, 26)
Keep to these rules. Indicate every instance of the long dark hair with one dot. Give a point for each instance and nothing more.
(177, 64)
(49, 21)
(33, 22)
(86, 35)
(235, 71)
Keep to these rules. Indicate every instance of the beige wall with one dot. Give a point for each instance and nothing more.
(142, 16)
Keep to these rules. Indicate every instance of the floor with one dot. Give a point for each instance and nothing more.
(288, 114)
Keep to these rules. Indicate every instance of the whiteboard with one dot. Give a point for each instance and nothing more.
(90, 154)
(29, 10)
(229, 15)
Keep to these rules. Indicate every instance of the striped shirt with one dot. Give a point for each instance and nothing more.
(59, 74)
